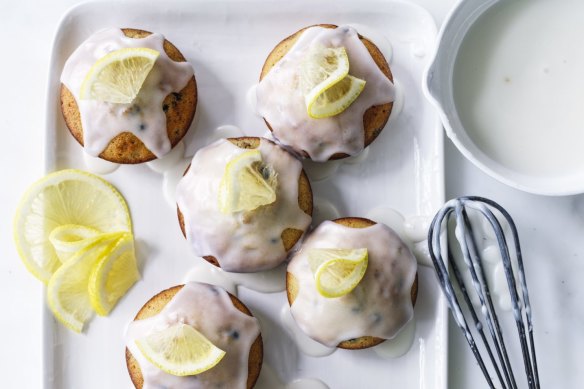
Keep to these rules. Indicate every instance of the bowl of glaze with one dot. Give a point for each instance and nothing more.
(508, 81)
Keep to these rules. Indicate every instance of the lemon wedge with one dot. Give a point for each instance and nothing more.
(324, 78)
(67, 292)
(180, 350)
(247, 184)
(335, 99)
(113, 275)
(63, 198)
(337, 271)
(118, 76)
(71, 238)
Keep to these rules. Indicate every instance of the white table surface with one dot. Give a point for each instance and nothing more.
(549, 227)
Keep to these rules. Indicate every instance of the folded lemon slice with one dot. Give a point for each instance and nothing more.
(67, 292)
(63, 198)
(247, 183)
(336, 99)
(113, 275)
(118, 76)
(71, 238)
(180, 350)
(324, 78)
(337, 271)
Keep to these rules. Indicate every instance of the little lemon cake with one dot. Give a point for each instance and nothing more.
(326, 92)
(128, 96)
(243, 203)
(209, 328)
(352, 284)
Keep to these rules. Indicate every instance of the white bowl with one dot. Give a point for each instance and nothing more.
(440, 90)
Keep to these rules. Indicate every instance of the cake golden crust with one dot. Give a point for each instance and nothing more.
(158, 302)
(126, 148)
(289, 236)
(363, 341)
(375, 118)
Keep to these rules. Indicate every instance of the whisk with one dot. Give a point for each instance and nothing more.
(457, 209)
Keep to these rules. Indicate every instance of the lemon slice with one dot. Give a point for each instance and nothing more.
(64, 197)
(118, 76)
(324, 78)
(335, 99)
(247, 184)
(113, 275)
(337, 271)
(67, 293)
(180, 350)
(321, 68)
(70, 238)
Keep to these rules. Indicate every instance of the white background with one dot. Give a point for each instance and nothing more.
(551, 229)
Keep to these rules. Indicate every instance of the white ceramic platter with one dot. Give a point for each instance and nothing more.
(227, 43)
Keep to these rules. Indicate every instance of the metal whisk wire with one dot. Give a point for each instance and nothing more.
(457, 209)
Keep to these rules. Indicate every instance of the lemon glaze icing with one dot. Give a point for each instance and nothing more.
(241, 241)
(280, 99)
(380, 305)
(210, 311)
(144, 117)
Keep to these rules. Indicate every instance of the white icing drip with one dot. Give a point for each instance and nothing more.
(324, 210)
(241, 242)
(281, 102)
(380, 40)
(318, 171)
(170, 180)
(269, 281)
(379, 306)
(413, 230)
(227, 131)
(400, 345)
(307, 345)
(144, 117)
(98, 165)
(268, 379)
(169, 161)
(210, 311)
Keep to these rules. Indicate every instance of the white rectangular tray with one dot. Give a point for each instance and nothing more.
(227, 43)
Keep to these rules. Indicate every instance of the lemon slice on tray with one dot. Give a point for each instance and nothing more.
(180, 350)
(325, 80)
(337, 271)
(63, 198)
(67, 292)
(71, 238)
(118, 76)
(247, 183)
(113, 275)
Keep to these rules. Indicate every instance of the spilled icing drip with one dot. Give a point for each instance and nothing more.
(269, 380)
(210, 311)
(281, 102)
(144, 117)
(379, 306)
(244, 241)
(268, 281)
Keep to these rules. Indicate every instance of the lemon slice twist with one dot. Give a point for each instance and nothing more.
(67, 292)
(337, 271)
(328, 87)
(113, 275)
(180, 350)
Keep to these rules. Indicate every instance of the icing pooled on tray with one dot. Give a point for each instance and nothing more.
(144, 117)
(210, 311)
(240, 241)
(380, 305)
(281, 102)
